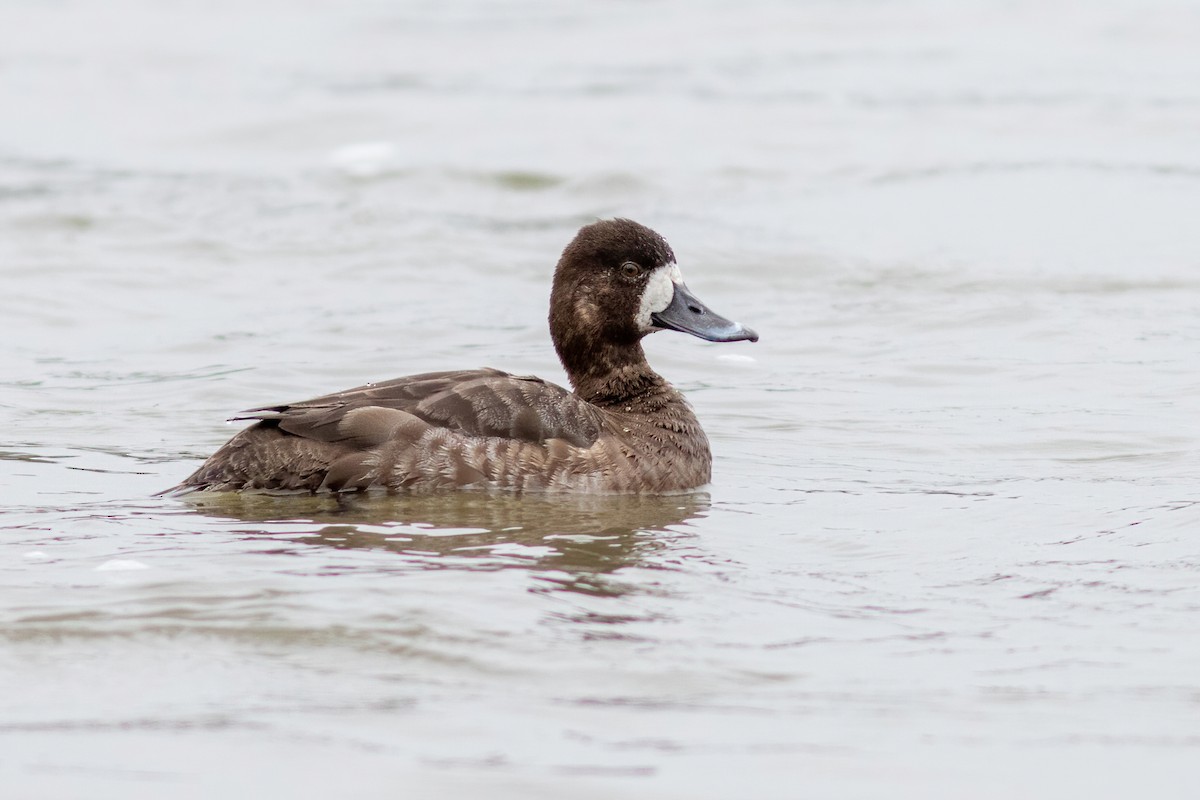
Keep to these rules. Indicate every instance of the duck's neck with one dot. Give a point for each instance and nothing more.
(615, 375)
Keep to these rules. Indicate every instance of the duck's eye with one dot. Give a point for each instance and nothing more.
(630, 269)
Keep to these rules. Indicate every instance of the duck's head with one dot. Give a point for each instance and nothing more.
(618, 281)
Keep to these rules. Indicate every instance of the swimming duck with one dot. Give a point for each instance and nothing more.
(624, 429)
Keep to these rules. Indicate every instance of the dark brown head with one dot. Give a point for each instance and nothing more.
(616, 282)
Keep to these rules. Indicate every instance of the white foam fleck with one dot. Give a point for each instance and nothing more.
(364, 159)
(737, 358)
(36, 555)
(121, 565)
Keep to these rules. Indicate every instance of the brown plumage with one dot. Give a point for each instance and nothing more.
(624, 429)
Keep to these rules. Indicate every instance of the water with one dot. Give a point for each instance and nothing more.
(949, 547)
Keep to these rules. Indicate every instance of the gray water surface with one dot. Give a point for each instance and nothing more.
(950, 546)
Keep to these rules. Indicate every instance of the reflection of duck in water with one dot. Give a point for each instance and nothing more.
(583, 536)
(624, 428)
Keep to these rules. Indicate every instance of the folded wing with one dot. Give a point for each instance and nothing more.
(484, 403)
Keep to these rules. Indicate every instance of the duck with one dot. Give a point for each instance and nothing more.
(621, 429)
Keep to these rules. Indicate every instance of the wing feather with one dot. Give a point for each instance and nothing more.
(483, 402)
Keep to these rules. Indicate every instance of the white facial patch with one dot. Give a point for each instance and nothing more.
(660, 288)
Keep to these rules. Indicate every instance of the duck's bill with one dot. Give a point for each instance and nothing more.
(687, 314)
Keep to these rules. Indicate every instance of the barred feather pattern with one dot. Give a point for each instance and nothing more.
(481, 429)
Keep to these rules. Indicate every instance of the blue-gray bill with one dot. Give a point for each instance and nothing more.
(687, 314)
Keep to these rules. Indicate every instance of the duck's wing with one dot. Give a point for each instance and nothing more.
(485, 403)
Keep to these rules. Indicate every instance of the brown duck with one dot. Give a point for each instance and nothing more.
(623, 429)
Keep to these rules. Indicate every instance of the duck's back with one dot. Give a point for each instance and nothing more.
(432, 431)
